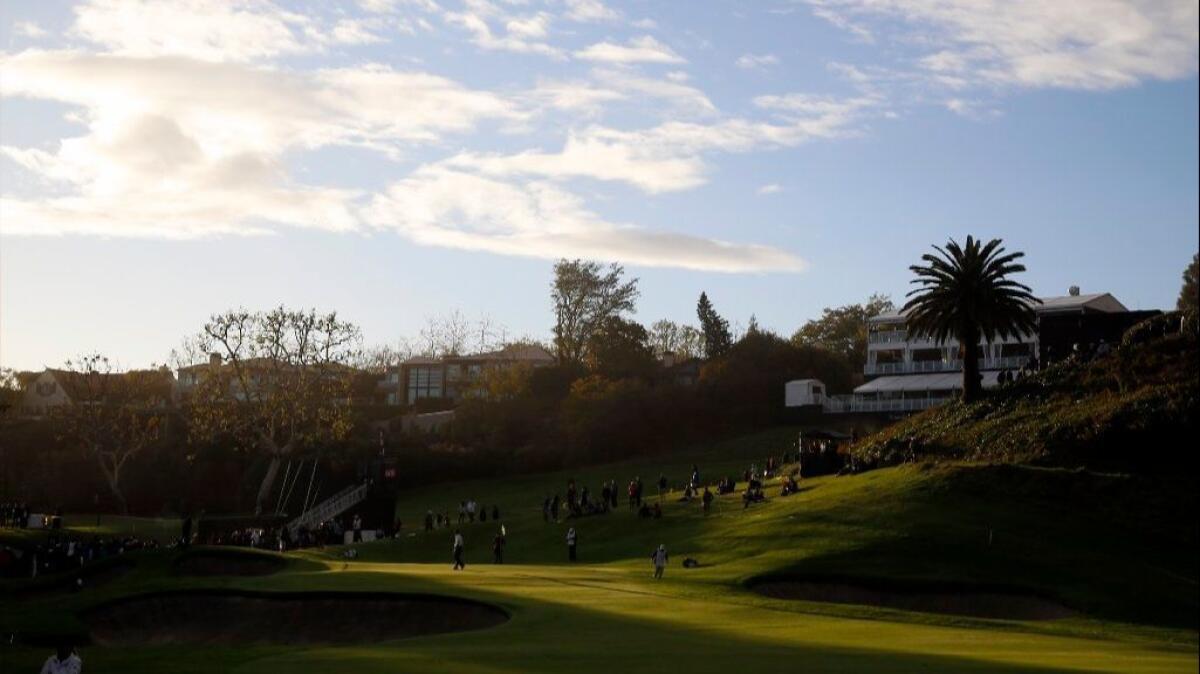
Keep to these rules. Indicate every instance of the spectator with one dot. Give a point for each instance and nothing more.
(498, 547)
(495, 513)
(660, 561)
(64, 661)
(428, 521)
(459, 544)
(571, 541)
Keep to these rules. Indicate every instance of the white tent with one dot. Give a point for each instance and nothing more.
(943, 381)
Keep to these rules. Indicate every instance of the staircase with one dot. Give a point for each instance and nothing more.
(330, 507)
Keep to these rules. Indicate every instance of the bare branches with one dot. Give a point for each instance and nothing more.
(275, 381)
(112, 416)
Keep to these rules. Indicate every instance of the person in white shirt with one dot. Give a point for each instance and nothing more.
(63, 662)
(459, 544)
(660, 560)
(571, 544)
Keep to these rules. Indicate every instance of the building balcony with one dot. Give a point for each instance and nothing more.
(887, 337)
(928, 366)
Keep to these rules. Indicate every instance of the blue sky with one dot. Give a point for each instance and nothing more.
(398, 159)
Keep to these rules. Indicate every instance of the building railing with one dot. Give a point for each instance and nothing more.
(887, 337)
(927, 366)
(849, 403)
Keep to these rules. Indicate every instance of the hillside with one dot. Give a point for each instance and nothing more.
(1133, 410)
(958, 527)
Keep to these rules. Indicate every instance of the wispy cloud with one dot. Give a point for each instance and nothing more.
(443, 206)
(1073, 44)
(752, 61)
(210, 30)
(29, 29)
(644, 49)
(769, 188)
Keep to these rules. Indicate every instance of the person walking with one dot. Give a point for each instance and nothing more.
(660, 561)
(459, 544)
(498, 547)
(571, 541)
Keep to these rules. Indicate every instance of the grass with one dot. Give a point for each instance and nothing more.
(1136, 586)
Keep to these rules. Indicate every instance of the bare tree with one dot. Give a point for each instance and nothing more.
(113, 416)
(278, 382)
(680, 339)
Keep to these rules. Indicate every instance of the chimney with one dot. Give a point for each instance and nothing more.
(1073, 291)
(214, 360)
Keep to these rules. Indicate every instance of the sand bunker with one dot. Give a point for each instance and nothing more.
(225, 617)
(228, 563)
(94, 575)
(963, 601)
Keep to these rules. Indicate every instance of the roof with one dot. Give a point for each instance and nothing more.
(941, 381)
(1102, 302)
(529, 353)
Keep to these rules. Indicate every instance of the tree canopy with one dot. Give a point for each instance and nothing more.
(1188, 294)
(713, 328)
(585, 295)
(278, 382)
(965, 293)
(843, 330)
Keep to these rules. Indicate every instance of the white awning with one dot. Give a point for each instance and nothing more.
(942, 381)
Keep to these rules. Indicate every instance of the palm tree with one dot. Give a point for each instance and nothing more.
(965, 294)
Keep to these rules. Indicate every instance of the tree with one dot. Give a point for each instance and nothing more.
(112, 416)
(1188, 296)
(714, 329)
(278, 382)
(843, 330)
(965, 293)
(620, 349)
(585, 295)
(670, 337)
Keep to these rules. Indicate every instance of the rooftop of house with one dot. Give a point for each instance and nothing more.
(527, 353)
(1100, 302)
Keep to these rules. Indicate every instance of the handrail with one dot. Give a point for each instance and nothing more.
(330, 507)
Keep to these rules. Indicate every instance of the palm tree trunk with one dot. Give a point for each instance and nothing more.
(970, 368)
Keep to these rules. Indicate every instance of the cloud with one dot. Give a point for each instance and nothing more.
(176, 147)
(769, 188)
(1071, 44)
(523, 35)
(590, 11)
(751, 61)
(686, 98)
(670, 156)
(443, 206)
(644, 49)
(210, 30)
(28, 29)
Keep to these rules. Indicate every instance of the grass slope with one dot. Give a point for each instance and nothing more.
(1137, 586)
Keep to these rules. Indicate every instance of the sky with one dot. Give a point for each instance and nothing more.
(395, 160)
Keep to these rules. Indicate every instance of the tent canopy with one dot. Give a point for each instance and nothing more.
(942, 381)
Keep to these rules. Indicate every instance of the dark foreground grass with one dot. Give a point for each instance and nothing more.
(962, 523)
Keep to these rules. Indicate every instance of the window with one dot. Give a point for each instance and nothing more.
(47, 388)
(817, 390)
(424, 382)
